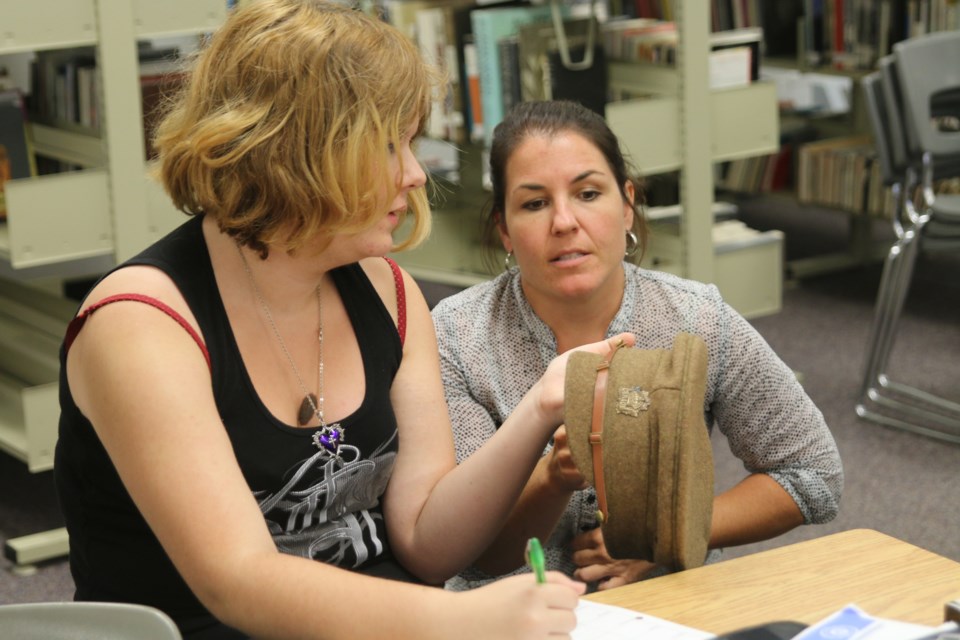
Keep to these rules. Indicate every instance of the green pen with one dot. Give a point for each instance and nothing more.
(536, 560)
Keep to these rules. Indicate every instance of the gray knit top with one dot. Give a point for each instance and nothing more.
(493, 348)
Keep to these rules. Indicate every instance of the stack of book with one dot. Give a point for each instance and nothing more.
(843, 173)
(853, 34)
(734, 56)
(67, 92)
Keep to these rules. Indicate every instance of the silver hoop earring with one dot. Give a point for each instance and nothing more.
(632, 244)
(506, 261)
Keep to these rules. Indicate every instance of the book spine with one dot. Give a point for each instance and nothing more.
(510, 72)
(488, 69)
(473, 88)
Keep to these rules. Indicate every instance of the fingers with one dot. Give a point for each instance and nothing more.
(588, 540)
(563, 471)
(611, 583)
(609, 346)
(517, 607)
(576, 587)
(618, 341)
(592, 572)
(621, 340)
(561, 596)
(560, 437)
(608, 575)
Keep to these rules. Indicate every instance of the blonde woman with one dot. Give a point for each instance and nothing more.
(253, 434)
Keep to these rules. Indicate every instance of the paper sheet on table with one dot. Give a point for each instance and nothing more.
(597, 621)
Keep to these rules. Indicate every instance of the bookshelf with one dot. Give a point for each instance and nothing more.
(818, 54)
(667, 131)
(80, 223)
(822, 132)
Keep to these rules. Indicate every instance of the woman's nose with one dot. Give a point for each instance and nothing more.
(564, 218)
(413, 174)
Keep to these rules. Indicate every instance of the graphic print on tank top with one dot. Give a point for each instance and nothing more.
(330, 509)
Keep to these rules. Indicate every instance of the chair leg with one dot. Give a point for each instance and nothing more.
(948, 434)
(920, 411)
(880, 342)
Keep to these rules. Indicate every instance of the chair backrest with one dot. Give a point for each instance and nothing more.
(928, 69)
(880, 124)
(85, 621)
(904, 148)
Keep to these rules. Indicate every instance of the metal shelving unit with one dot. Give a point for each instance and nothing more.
(79, 223)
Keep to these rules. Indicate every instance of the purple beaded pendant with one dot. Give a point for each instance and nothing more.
(329, 438)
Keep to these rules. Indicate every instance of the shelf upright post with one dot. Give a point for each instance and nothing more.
(696, 142)
(120, 75)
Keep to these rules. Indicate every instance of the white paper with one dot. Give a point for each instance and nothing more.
(606, 622)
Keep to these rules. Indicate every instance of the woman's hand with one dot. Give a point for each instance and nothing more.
(561, 470)
(518, 607)
(595, 564)
(550, 387)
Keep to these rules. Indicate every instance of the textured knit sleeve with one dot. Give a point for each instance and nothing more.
(472, 423)
(771, 423)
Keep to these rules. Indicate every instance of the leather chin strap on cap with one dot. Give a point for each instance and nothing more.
(596, 434)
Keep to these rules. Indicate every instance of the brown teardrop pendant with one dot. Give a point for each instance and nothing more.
(307, 410)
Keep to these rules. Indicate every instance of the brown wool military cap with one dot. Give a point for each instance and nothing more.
(636, 431)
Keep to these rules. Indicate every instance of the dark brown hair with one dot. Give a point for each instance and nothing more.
(550, 118)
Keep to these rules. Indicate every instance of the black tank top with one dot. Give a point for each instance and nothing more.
(315, 505)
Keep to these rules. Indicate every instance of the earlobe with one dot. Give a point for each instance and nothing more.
(504, 235)
(628, 212)
(505, 241)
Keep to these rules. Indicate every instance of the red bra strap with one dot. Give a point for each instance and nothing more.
(77, 323)
(401, 299)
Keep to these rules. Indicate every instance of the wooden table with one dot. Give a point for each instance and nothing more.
(805, 582)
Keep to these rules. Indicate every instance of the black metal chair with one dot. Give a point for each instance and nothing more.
(913, 101)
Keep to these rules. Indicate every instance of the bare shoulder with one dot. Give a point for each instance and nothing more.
(381, 274)
(143, 280)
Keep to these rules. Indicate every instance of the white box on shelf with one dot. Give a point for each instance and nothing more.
(748, 264)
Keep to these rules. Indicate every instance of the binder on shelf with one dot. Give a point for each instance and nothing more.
(586, 86)
(16, 159)
(538, 53)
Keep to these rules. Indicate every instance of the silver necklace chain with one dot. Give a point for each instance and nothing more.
(329, 437)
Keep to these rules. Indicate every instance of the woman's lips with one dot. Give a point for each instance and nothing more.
(567, 257)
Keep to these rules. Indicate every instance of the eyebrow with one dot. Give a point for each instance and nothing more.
(536, 187)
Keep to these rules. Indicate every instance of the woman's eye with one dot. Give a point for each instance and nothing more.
(534, 205)
(590, 195)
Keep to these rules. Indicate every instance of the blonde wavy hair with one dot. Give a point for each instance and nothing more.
(283, 131)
